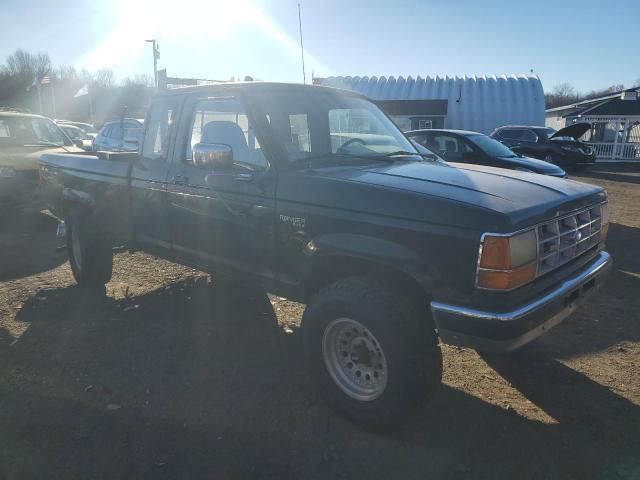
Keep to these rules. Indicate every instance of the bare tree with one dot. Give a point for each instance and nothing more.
(26, 66)
(564, 90)
(105, 78)
(143, 80)
(66, 73)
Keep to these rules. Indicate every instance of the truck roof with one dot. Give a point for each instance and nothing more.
(256, 86)
(20, 114)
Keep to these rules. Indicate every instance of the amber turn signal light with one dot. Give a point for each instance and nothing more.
(507, 279)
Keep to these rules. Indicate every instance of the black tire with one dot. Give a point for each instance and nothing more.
(407, 339)
(90, 254)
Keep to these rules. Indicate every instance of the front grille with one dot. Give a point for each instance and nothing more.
(563, 239)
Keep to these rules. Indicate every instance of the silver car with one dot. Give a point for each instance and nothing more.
(119, 136)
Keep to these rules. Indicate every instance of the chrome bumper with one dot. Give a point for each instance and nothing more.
(506, 331)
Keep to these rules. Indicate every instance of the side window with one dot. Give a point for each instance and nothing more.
(510, 134)
(528, 136)
(224, 120)
(159, 128)
(449, 147)
(117, 133)
(300, 141)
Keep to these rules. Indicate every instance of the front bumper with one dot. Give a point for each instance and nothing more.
(577, 158)
(506, 331)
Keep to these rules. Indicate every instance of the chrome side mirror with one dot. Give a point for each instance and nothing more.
(217, 156)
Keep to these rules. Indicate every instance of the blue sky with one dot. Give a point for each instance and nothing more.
(587, 43)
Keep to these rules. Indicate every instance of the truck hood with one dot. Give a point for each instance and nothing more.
(526, 198)
(574, 131)
(19, 157)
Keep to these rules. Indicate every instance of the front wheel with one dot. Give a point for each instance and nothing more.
(372, 355)
(90, 253)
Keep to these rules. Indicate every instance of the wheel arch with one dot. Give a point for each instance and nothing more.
(327, 269)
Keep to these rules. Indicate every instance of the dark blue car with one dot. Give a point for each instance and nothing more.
(471, 147)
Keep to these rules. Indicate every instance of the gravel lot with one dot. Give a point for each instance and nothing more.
(174, 375)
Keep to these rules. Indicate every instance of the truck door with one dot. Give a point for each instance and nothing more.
(222, 219)
(149, 177)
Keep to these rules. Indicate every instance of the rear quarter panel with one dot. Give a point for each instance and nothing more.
(98, 186)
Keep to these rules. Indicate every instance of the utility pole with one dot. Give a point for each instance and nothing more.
(156, 56)
(304, 76)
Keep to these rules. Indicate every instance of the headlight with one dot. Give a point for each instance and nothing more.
(507, 262)
(7, 172)
(570, 148)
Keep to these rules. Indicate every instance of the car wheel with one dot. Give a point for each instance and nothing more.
(372, 354)
(90, 254)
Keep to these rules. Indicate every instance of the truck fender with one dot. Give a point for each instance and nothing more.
(377, 252)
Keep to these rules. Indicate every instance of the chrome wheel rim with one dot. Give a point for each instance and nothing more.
(355, 359)
(75, 248)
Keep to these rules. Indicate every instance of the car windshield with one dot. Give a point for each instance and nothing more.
(34, 131)
(490, 146)
(325, 124)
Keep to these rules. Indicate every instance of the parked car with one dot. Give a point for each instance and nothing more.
(23, 138)
(316, 194)
(561, 147)
(85, 127)
(119, 136)
(471, 147)
(78, 136)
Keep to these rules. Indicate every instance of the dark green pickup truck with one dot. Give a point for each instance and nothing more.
(317, 195)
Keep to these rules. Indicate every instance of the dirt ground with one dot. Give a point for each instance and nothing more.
(170, 375)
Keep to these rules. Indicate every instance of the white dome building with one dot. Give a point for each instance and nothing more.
(476, 103)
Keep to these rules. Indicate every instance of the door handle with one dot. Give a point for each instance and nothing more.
(243, 177)
(180, 180)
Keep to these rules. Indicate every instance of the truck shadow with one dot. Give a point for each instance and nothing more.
(609, 318)
(199, 381)
(28, 245)
(621, 172)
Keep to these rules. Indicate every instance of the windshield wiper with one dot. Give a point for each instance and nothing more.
(401, 153)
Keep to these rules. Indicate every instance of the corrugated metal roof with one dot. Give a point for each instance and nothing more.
(478, 103)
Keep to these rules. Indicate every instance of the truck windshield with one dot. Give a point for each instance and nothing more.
(326, 124)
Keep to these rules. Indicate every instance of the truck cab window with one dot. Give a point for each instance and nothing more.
(224, 121)
(156, 139)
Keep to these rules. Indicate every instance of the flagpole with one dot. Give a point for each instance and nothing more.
(90, 105)
(39, 98)
(53, 99)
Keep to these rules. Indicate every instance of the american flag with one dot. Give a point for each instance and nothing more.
(45, 79)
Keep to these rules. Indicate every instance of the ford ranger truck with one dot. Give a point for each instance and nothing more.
(315, 194)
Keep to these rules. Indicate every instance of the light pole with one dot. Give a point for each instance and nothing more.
(156, 56)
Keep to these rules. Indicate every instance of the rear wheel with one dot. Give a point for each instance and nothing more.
(372, 354)
(89, 251)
